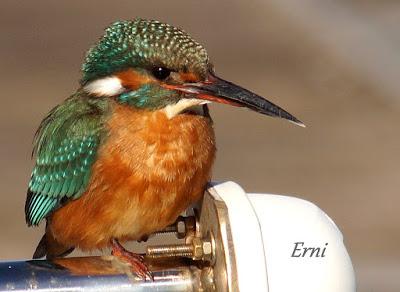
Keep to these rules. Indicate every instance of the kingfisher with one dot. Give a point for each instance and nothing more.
(133, 147)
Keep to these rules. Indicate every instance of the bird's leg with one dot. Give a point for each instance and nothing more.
(136, 261)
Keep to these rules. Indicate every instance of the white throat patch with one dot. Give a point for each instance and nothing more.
(107, 86)
(174, 109)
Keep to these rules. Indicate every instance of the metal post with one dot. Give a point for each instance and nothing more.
(93, 274)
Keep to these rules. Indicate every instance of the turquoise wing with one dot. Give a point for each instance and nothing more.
(59, 177)
(66, 147)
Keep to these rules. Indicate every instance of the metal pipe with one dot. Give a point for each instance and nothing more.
(93, 274)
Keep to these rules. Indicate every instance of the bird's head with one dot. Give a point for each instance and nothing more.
(150, 65)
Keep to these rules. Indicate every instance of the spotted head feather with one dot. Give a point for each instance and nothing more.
(144, 43)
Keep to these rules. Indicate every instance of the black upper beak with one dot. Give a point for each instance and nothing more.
(219, 90)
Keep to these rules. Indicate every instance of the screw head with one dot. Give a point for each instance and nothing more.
(207, 247)
(181, 229)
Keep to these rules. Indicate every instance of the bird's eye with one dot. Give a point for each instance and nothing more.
(161, 73)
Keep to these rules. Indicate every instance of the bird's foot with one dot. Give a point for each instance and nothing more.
(136, 261)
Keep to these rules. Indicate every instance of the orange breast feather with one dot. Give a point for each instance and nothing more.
(148, 171)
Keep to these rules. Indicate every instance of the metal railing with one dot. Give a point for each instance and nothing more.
(93, 274)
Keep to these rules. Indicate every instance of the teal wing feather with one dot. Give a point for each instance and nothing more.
(66, 146)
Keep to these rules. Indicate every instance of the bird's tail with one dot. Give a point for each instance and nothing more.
(48, 247)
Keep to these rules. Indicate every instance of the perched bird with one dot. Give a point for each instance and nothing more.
(133, 147)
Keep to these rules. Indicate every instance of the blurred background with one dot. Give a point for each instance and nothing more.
(333, 64)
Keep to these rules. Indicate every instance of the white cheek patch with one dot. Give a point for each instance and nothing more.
(174, 109)
(108, 86)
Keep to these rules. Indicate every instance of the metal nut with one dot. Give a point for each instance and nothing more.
(197, 248)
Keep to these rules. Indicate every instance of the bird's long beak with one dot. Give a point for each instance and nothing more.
(219, 90)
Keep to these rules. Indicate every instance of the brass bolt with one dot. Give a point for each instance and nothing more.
(198, 249)
(170, 250)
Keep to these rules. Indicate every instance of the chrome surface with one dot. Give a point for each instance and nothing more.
(91, 274)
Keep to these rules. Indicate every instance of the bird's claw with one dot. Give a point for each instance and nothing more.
(136, 261)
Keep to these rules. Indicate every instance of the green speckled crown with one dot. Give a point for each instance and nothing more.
(144, 43)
